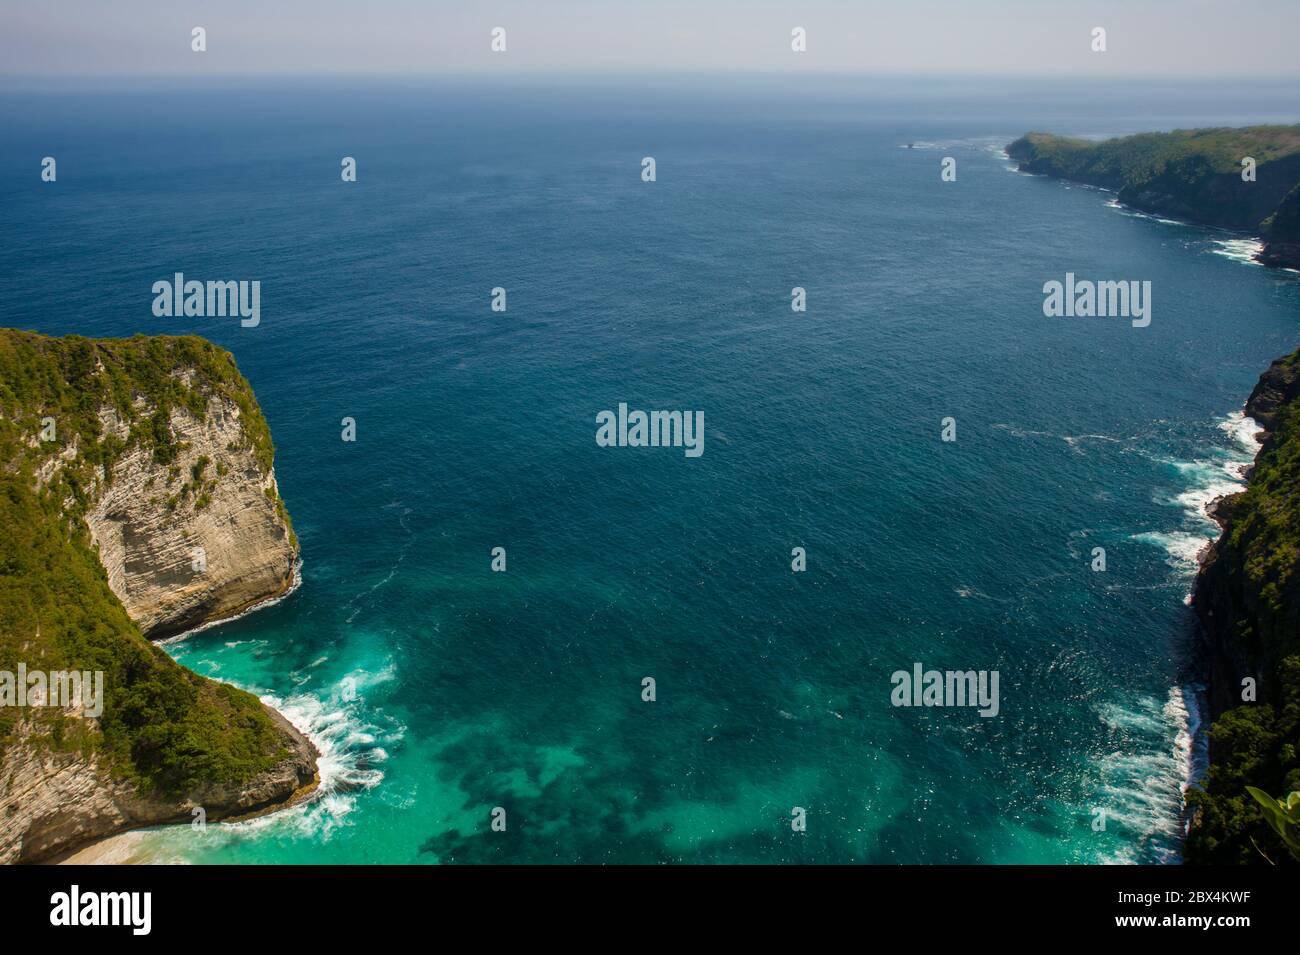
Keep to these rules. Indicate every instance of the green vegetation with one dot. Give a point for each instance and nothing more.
(1258, 567)
(1266, 527)
(1254, 746)
(1283, 816)
(163, 727)
(1192, 174)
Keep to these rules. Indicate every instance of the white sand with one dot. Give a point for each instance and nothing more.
(121, 849)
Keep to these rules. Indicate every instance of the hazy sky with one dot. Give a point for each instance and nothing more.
(1049, 37)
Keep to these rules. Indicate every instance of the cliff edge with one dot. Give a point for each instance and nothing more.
(1247, 598)
(137, 498)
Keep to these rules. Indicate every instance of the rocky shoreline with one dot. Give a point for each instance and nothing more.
(298, 776)
(1247, 603)
(120, 810)
(1223, 598)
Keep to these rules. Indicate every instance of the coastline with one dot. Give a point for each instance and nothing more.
(1239, 606)
(120, 848)
(1235, 242)
(1246, 606)
(1199, 708)
(1186, 177)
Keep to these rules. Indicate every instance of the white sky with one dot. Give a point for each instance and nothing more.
(1044, 37)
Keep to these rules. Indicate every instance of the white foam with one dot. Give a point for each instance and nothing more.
(349, 756)
(1184, 548)
(334, 727)
(1076, 441)
(1117, 206)
(1244, 430)
(1225, 473)
(1196, 501)
(1198, 751)
(1149, 793)
(1220, 473)
(1239, 250)
(347, 766)
(1145, 780)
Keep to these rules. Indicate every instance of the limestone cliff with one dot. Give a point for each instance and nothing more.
(53, 803)
(137, 493)
(199, 540)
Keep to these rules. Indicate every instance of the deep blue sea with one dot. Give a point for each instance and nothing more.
(439, 690)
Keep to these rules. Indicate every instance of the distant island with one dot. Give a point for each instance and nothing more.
(1190, 174)
(137, 499)
(1247, 594)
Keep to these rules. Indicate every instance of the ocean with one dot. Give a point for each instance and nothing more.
(440, 691)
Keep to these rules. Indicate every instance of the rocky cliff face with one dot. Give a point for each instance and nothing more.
(199, 540)
(154, 508)
(54, 803)
(1248, 600)
(1280, 255)
(1246, 618)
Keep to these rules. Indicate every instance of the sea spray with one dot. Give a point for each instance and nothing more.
(1142, 780)
(1213, 474)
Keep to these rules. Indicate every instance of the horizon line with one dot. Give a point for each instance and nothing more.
(478, 73)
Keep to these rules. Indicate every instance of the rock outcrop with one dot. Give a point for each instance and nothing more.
(1280, 255)
(1275, 390)
(54, 803)
(137, 496)
(182, 554)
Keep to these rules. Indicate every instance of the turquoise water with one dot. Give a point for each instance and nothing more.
(439, 690)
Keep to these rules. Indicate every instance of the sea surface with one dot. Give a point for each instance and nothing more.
(439, 690)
